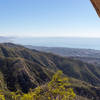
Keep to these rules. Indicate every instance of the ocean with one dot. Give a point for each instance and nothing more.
(86, 43)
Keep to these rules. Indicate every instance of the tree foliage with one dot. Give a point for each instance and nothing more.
(2, 97)
(56, 89)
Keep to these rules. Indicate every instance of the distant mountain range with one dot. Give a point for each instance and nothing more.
(87, 55)
(23, 68)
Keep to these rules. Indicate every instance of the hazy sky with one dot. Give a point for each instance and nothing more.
(52, 18)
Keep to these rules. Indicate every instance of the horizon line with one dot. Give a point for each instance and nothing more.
(6, 36)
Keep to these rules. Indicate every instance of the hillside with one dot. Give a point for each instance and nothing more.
(70, 52)
(22, 68)
(70, 67)
(87, 55)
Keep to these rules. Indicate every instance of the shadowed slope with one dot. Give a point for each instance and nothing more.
(31, 67)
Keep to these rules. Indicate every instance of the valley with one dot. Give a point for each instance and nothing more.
(23, 68)
(91, 56)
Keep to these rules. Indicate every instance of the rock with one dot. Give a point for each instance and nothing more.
(96, 4)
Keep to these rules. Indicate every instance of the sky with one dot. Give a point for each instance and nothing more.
(48, 18)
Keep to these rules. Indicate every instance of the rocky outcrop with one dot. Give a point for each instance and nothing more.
(96, 4)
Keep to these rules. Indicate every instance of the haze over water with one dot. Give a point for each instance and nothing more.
(87, 43)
